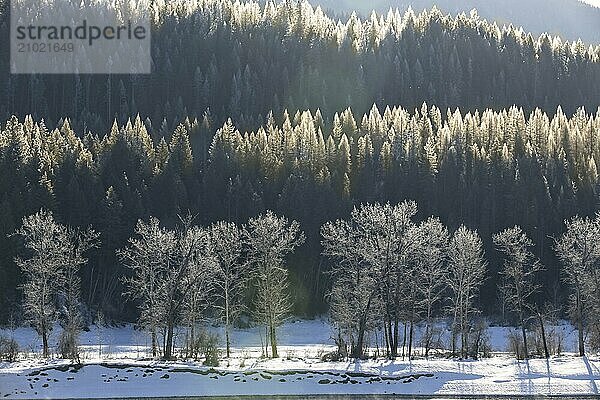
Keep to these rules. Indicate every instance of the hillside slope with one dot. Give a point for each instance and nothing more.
(571, 19)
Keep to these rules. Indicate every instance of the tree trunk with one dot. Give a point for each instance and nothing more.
(543, 335)
(464, 333)
(227, 322)
(357, 352)
(410, 340)
(154, 342)
(526, 355)
(464, 343)
(428, 332)
(227, 342)
(580, 325)
(267, 341)
(476, 344)
(387, 332)
(45, 351)
(427, 339)
(273, 342)
(453, 339)
(192, 340)
(169, 342)
(404, 341)
(395, 341)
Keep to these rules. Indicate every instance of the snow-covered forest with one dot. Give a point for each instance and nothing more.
(389, 272)
(569, 19)
(243, 60)
(488, 172)
(415, 181)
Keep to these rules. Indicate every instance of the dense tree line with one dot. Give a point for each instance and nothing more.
(570, 19)
(241, 60)
(389, 271)
(177, 277)
(392, 271)
(487, 171)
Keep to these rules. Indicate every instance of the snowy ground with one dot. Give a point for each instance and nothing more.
(120, 370)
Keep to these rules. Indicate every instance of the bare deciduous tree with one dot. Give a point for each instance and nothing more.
(270, 239)
(78, 243)
(429, 245)
(51, 268)
(519, 269)
(231, 275)
(579, 251)
(384, 246)
(170, 275)
(371, 256)
(196, 272)
(467, 269)
(148, 256)
(354, 285)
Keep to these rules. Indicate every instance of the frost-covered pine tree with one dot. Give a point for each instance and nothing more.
(54, 254)
(270, 239)
(519, 269)
(231, 274)
(466, 274)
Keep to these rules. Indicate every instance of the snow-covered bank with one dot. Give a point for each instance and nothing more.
(498, 375)
(119, 371)
(118, 341)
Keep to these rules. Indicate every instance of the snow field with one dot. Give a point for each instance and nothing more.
(123, 369)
